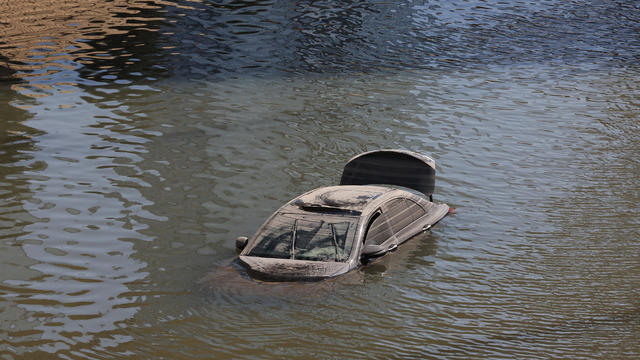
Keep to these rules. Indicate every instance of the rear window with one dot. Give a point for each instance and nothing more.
(315, 238)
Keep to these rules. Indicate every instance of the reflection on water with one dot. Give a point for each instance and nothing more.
(139, 138)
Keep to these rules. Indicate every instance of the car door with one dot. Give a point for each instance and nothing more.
(394, 223)
(402, 214)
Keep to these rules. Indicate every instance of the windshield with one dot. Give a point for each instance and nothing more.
(316, 238)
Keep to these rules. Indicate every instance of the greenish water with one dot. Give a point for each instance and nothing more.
(138, 139)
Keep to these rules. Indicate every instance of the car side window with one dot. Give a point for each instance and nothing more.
(401, 213)
(378, 230)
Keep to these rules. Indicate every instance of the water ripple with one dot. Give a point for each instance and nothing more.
(139, 138)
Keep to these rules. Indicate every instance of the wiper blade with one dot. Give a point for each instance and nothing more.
(335, 242)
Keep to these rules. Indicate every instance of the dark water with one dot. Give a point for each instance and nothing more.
(139, 138)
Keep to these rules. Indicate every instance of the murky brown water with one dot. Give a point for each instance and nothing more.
(139, 138)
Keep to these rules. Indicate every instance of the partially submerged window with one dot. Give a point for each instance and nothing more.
(378, 231)
(306, 238)
(275, 240)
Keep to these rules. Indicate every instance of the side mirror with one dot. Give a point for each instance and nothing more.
(241, 243)
(372, 250)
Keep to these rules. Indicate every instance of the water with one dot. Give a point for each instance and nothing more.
(139, 138)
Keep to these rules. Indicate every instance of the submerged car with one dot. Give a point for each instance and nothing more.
(384, 199)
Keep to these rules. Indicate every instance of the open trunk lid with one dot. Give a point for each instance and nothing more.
(393, 167)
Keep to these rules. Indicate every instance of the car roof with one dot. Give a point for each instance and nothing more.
(355, 200)
(341, 197)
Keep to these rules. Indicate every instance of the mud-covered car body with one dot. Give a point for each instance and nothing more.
(329, 231)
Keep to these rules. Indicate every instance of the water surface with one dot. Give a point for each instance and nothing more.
(139, 138)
